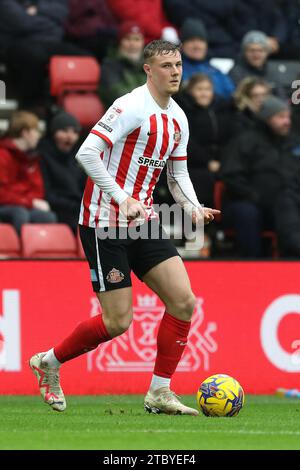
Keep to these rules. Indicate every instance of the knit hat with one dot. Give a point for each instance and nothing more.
(255, 37)
(129, 27)
(62, 120)
(192, 28)
(271, 106)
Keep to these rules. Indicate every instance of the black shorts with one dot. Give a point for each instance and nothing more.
(111, 258)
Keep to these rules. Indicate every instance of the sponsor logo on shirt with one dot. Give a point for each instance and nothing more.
(151, 162)
(177, 137)
(115, 276)
(105, 126)
(112, 114)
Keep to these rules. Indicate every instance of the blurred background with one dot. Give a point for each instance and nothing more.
(62, 64)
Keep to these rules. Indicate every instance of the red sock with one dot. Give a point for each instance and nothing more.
(171, 342)
(86, 337)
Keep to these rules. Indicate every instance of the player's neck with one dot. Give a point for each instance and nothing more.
(163, 101)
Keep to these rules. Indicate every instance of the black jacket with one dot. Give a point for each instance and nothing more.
(210, 129)
(287, 219)
(291, 12)
(17, 25)
(243, 69)
(64, 180)
(258, 165)
(226, 21)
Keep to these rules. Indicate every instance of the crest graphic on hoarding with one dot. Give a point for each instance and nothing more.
(135, 350)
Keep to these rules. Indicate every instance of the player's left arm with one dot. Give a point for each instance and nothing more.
(179, 181)
(182, 190)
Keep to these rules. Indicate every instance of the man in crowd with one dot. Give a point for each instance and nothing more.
(64, 180)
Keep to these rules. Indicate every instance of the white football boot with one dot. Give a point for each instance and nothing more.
(48, 379)
(165, 401)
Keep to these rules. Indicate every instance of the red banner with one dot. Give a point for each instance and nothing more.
(246, 324)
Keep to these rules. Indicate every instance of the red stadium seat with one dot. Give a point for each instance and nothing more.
(219, 190)
(68, 73)
(48, 241)
(74, 82)
(85, 106)
(10, 246)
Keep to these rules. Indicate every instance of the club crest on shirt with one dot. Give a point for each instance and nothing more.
(177, 137)
(112, 114)
(114, 276)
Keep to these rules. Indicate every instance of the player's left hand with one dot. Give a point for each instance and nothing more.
(205, 214)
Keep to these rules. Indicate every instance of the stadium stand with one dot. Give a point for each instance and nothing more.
(10, 246)
(74, 83)
(219, 191)
(48, 241)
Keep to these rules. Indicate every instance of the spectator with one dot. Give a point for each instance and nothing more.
(194, 54)
(211, 126)
(149, 14)
(123, 72)
(290, 49)
(288, 218)
(91, 25)
(248, 97)
(253, 61)
(256, 166)
(226, 21)
(269, 19)
(22, 197)
(30, 33)
(64, 180)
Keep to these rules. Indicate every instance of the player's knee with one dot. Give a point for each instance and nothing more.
(184, 307)
(122, 324)
(119, 323)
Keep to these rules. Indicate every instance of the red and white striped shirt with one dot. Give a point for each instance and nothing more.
(141, 138)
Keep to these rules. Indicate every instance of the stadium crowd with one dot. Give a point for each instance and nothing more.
(244, 148)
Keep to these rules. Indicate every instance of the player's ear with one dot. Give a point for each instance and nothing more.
(147, 69)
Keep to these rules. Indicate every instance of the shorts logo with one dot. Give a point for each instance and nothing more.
(115, 276)
(105, 126)
(112, 114)
(177, 137)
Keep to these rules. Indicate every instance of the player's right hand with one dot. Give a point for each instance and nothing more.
(133, 209)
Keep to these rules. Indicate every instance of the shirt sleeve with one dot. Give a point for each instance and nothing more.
(118, 121)
(179, 151)
(89, 158)
(180, 185)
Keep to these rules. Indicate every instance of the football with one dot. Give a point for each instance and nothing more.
(220, 395)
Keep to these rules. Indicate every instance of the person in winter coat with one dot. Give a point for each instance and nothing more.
(22, 195)
(91, 25)
(64, 180)
(288, 218)
(290, 48)
(226, 21)
(270, 20)
(123, 71)
(30, 33)
(248, 98)
(256, 167)
(193, 36)
(149, 14)
(253, 61)
(211, 127)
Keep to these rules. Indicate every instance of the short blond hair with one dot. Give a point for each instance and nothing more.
(20, 121)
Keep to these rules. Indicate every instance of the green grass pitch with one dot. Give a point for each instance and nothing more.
(119, 422)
